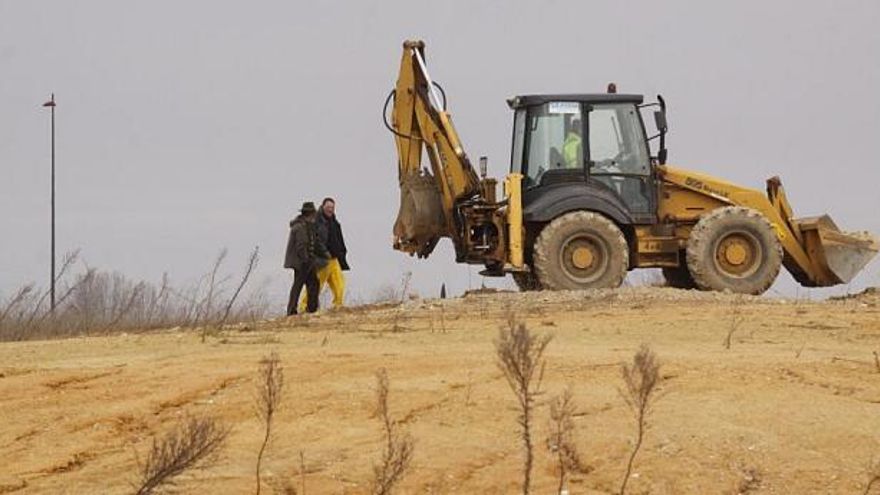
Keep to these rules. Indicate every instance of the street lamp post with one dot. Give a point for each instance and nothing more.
(51, 105)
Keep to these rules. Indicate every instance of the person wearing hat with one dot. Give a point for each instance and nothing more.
(330, 235)
(305, 255)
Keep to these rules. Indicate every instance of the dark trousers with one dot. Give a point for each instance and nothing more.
(309, 279)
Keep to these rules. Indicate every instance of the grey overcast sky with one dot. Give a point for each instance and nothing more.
(186, 127)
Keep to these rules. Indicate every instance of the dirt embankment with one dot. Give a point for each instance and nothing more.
(793, 406)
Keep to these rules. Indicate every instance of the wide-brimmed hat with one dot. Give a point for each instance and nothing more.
(308, 207)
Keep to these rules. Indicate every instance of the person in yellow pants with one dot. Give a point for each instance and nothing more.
(330, 233)
(330, 274)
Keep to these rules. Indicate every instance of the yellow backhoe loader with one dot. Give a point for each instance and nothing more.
(586, 200)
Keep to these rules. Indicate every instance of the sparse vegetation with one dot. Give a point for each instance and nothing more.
(270, 388)
(736, 320)
(96, 302)
(641, 379)
(456, 399)
(252, 263)
(189, 445)
(561, 440)
(392, 293)
(398, 451)
(521, 358)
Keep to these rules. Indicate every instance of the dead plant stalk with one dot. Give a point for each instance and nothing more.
(252, 263)
(521, 358)
(398, 452)
(736, 320)
(561, 440)
(641, 379)
(269, 392)
(189, 445)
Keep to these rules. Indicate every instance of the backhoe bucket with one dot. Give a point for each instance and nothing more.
(837, 256)
(420, 222)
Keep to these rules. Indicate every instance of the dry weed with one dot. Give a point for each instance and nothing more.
(101, 302)
(561, 440)
(736, 320)
(269, 393)
(252, 263)
(398, 452)
(641, 379)
(521, 358)
(189, 445)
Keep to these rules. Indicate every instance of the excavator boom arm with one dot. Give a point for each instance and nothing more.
(420, 122)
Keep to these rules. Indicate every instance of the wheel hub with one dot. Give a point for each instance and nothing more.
(738, 254)
(582, 257)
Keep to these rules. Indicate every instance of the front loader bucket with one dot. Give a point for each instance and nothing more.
(837, 257)
(420, 221)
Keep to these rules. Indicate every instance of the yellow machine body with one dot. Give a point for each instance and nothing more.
(816, 252)
(448, 199)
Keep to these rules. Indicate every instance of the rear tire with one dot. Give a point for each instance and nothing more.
(679, 277)
(734, 248)
(526, 281)
(581, 250)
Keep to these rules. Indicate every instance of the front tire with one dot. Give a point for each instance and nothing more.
(581, 250)
(736, 249)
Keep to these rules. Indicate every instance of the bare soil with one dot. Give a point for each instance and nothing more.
(792, 407)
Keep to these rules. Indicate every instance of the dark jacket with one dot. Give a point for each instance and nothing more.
(330, 234)
(304, 250)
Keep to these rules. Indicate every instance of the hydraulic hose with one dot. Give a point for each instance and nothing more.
(385, 116)
(391, 95)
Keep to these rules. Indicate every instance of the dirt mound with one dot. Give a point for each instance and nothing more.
(790, 407)
(869, 296)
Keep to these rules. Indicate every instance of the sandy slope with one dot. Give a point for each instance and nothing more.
(792, 407)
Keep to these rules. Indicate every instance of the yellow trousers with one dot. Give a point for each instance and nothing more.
(330, 275)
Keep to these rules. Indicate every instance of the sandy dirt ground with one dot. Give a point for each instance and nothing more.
(792, 407)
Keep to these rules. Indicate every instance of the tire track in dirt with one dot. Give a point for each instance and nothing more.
(833, 388)
(13, 487)
(11, 372)
(70, 381)
(486, 461)
(417, 412)
(194, 395)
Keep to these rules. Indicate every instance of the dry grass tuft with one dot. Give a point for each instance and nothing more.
(736, 320)
(189, 445)
(269, 393)
(398, 452)
(521, 358)
(641, 379)
(561, 440)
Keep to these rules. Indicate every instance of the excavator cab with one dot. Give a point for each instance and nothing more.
(578, 147)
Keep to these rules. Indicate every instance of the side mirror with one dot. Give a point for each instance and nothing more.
(660, 120)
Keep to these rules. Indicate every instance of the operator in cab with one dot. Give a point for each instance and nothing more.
(573, 147)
